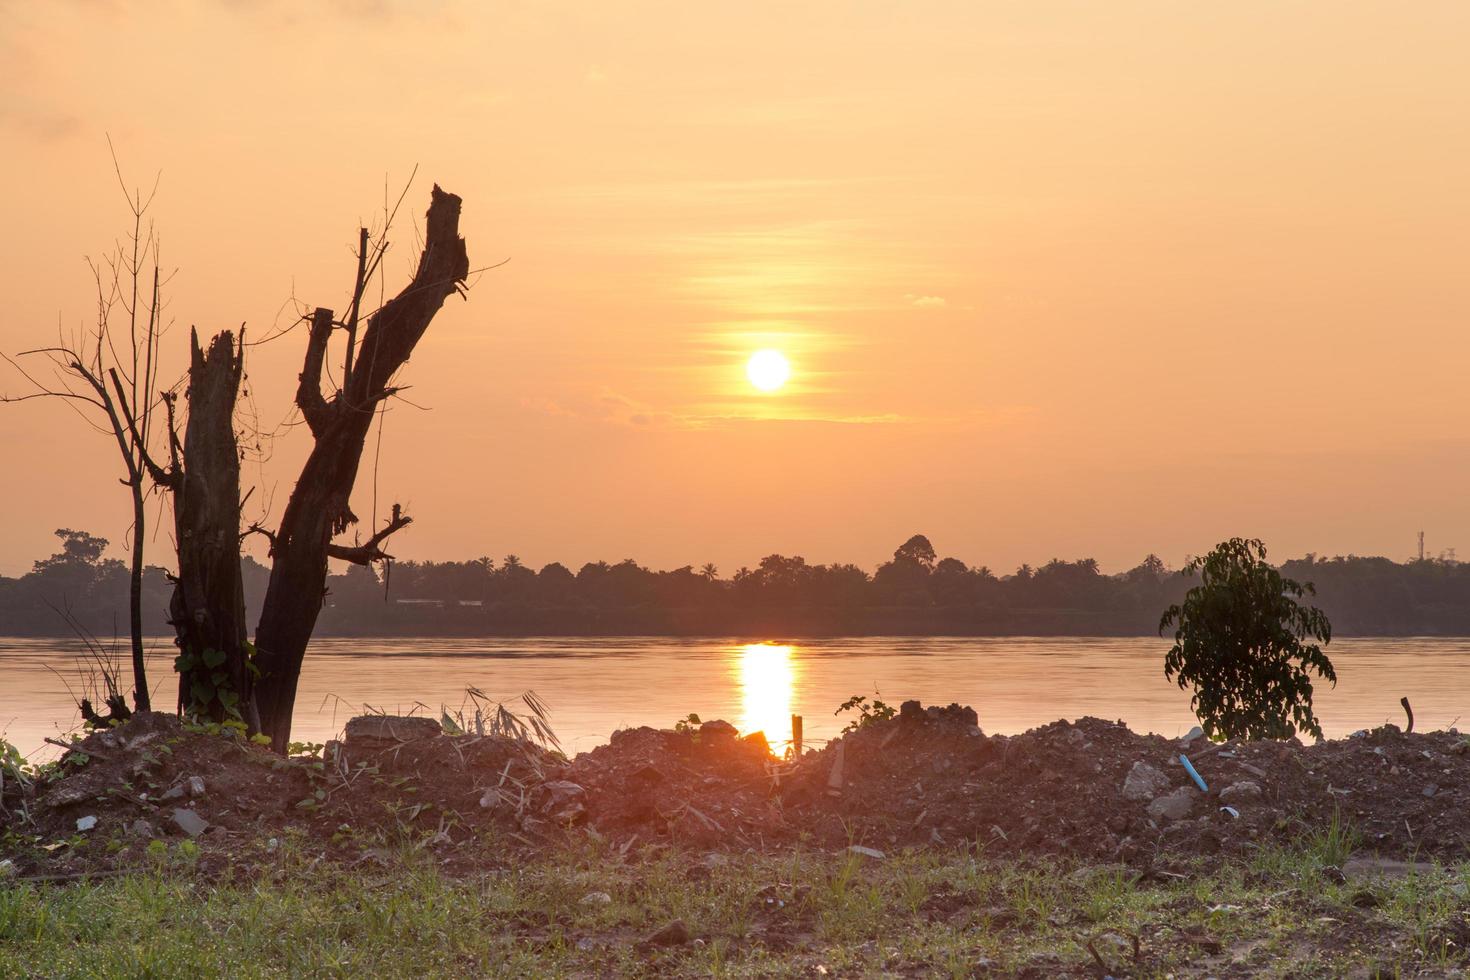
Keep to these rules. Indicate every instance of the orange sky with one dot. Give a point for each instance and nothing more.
(1056, 279)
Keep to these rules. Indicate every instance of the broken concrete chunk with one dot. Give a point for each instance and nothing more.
(717, 729)
(596, 898)
(1245, 791)
(1175, 806)
(190, 822)
(757, 742)
(86, 823)
(871, 852)
(564, 801)
(195, 785)
(834, 775)
(1194, 733)
(142, 828)
(373, 733)
(1431, 789)
(561, 790)
(1144, 782)
(70, 792)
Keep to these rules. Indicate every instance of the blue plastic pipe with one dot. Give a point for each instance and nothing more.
(1189, 768)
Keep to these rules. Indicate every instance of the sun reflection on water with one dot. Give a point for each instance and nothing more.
(767, 681)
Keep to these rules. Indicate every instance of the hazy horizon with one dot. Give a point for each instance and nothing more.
(1054, 279)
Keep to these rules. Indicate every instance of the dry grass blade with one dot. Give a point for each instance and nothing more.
(484, 715)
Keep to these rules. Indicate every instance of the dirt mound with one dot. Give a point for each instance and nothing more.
(928, 777)
(1094, 789)
(708, 787)
(117, 793)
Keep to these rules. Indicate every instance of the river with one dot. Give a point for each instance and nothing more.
(595, 686)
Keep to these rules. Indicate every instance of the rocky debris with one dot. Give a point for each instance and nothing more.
(927, 777)
(596, 898)
(192, 786)
(1173, 806)
(676, 933)
(564, 801)
(86, 823)
(718, 729)
(369, 735)
(1144, 782)
(868, 852)
(1244, 791)
(655, 785)
(79, 788)
(189, 822)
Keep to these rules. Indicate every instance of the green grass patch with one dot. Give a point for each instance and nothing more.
(794, 913)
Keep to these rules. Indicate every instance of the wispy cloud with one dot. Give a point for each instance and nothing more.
(611, 408)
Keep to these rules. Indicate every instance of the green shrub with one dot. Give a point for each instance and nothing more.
(1239, 643)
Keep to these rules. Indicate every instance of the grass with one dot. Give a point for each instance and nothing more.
(796, 913)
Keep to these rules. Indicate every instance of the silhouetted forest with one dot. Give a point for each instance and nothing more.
(916, 593)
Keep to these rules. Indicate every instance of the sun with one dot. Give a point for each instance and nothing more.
(768, 369)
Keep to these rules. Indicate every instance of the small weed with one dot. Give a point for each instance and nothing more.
(1333, 844)
(867, 711)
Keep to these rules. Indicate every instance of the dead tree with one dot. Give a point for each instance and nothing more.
(207, 610)
(319, 507)
(117, 378)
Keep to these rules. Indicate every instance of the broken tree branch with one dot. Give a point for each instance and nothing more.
(357, 288)
(309, 398)
(371, 551)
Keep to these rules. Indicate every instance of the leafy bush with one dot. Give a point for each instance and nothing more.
(868, 711)
(1239, 643)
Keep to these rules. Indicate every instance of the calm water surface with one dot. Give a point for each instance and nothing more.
(595, 686)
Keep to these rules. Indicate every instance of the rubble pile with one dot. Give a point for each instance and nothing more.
(929, 777)
(707, 787)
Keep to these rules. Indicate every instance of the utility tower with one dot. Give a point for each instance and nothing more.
(1421, 545)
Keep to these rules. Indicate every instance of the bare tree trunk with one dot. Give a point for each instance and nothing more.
(319, 504)
(141, 700)
(208, 606)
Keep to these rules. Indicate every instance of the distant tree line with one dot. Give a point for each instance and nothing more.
(915, 593)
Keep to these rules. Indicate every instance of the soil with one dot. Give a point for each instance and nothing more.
(926, 778)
